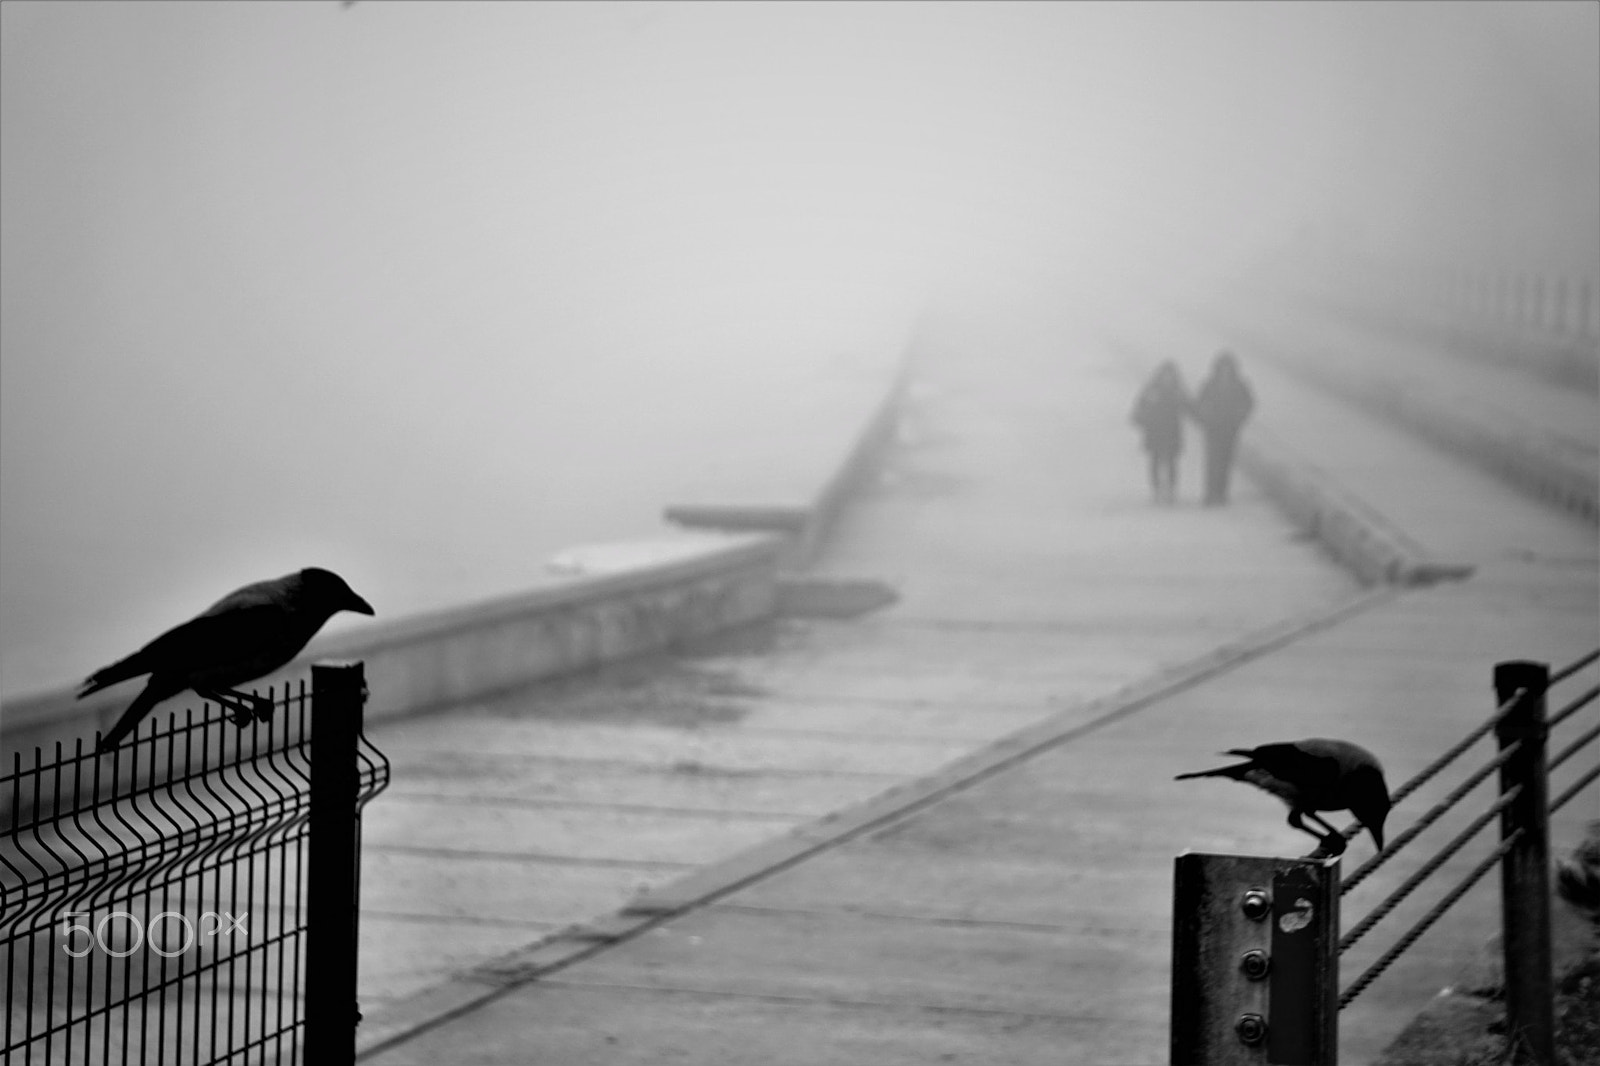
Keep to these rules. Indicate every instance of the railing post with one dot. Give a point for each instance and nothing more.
(338, 692)
(1254, 960)
(1525, 870)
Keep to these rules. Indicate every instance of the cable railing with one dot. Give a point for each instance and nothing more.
(1520, 722)
(1260, 1008)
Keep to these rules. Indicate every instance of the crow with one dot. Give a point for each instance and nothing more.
(245, 635)
(1315, 775)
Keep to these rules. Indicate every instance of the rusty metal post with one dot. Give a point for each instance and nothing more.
(1525, 870)
(1254, 960)
(338, 692)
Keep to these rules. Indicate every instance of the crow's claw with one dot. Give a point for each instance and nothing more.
(1333, 844)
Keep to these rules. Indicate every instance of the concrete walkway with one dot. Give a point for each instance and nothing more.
(1033, 576)
(1013, 906)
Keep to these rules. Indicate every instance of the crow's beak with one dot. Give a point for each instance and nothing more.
(1377, 834)
(358, 605)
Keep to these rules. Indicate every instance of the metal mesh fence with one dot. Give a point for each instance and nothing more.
(152, 900)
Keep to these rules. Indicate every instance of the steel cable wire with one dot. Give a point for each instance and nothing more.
(1578, 786)
(1434, 913)
(1572, 749)
(1574, 666)
(1455, 751)
(1438, 811)
(1451, 755)
(1459, 841)
(1557, 717)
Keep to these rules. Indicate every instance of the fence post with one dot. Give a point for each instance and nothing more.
(1525, 870)
(1254, 960)
(338, 692)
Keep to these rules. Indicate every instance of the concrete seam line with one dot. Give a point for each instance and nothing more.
(488, 981)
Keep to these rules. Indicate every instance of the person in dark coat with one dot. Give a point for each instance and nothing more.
(1221, 407)
(1158, 412)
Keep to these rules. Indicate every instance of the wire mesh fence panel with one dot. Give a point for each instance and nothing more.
(152, 899)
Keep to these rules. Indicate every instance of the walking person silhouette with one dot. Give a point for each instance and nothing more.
(1221, 407)
(1158, 412)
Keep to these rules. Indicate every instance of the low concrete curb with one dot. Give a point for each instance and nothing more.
(434, 1006)
(1353, 532)
(1514, 455)
(1366, 543)
(1523, 456)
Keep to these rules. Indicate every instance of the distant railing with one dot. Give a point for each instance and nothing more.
(191, 896)
(1541, 321)
(1557, 306)
(1220, 1016)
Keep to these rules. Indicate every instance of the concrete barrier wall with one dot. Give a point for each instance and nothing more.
(615, 601)
(611, 601)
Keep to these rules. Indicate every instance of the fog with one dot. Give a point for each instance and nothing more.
(422, 292)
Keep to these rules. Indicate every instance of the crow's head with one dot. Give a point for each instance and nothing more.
(328, 591)
(1369, 800)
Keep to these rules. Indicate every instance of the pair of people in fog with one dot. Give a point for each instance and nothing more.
(1220, 407)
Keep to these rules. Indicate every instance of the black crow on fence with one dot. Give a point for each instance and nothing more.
(1315, 775)
(245, 635)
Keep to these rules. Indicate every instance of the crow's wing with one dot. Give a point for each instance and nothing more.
(1350, 755)
(274, 593)
(1315, 776)
(215, 641)
(242, 612)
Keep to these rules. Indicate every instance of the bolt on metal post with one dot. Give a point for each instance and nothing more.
(1254, 960)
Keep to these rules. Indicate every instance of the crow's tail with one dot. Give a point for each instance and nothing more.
(129, 721)
(120, 670)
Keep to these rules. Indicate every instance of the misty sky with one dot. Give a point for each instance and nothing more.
(424, 291)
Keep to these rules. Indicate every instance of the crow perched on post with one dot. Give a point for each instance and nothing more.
(1315, 775)
(245, 635)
